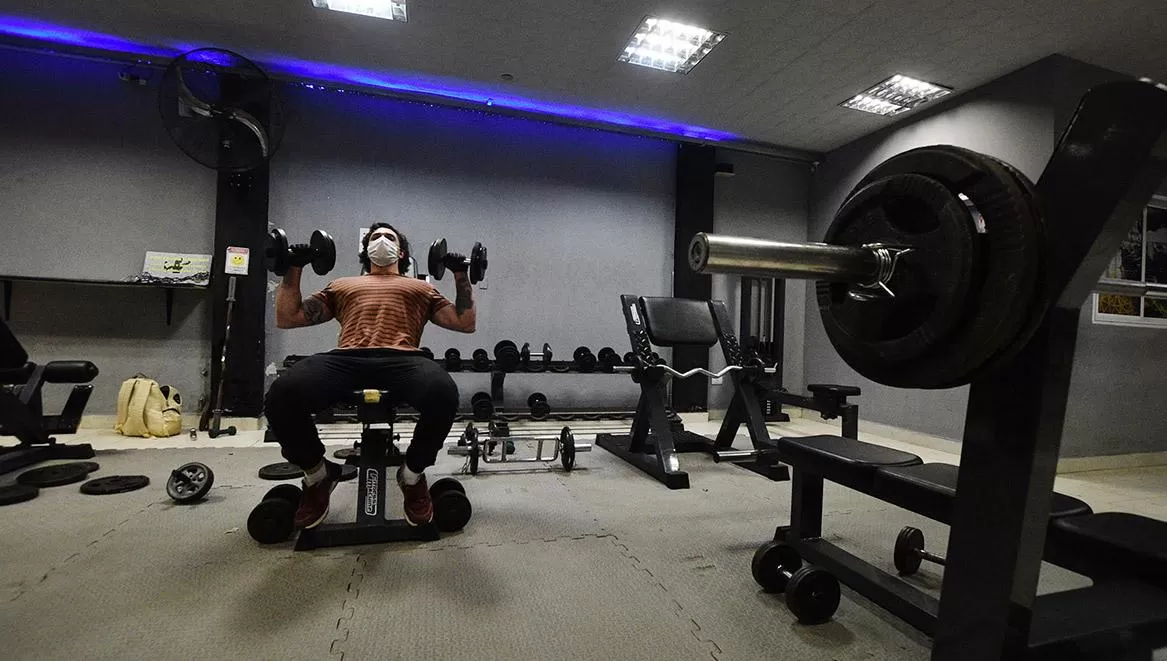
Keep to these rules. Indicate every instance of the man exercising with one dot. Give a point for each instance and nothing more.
(381, 314)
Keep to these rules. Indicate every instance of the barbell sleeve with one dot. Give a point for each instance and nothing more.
(739, 255)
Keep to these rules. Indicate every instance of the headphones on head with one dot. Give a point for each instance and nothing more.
(402, 243)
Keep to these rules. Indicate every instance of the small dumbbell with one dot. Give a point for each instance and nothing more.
(453, 360)
(425, 351)
(526, 355)
(540, 409)
(585, 359)
(481, 360)
(909, 552)
(506, 356)
(482, 407)
(629, 358)
(609, 358)
(812, 594)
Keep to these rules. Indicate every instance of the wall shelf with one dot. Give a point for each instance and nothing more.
(168, 289)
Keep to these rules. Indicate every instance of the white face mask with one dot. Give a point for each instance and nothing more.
(382, 251)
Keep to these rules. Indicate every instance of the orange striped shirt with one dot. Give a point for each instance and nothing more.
(381, 311)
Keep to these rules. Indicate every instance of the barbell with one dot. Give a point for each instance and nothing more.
(930, 274)
(475, 264)
(320, 252)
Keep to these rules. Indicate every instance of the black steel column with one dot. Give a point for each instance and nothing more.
(241, 220)
(694, 213)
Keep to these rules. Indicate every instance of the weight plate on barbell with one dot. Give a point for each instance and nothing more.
(56, 475)
(323, 252)
(1001, 282)
(114, 484)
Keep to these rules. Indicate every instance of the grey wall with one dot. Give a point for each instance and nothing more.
(90, 181)
(572, 219)
(766, 198)
(1016, 118)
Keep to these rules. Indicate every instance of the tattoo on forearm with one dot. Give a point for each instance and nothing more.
(463, 302)
(314, 311)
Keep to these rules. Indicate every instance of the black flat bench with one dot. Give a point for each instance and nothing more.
(1111, 545)
(846, 461)
(930, 490)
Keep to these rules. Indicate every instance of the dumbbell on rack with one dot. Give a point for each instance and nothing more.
(482, 406)
(507, 356)
(909, 552)
(453, 360)
(609, 358)
(540, 409)
(481, 360)
(585, 359)
(812, 594)
(525, 356)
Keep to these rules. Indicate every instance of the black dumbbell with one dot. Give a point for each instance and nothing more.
(629, 358)
(482, 407)
(812, 594)
(425, 351)
(453, 360)
(540, 409)
(909, 552)
(525, 357)
(320, 252)
(481, 360)
(506, 356)
(609, 358)
(475, 264)
(585, 359)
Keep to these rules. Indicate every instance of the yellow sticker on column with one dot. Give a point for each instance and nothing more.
(237, 260)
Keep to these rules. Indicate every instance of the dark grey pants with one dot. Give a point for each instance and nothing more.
(317, 382)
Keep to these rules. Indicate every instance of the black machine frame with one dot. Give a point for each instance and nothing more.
(653, 443)
(1105, 167)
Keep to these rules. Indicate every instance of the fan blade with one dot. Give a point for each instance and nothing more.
(194, 103)
(246, 119)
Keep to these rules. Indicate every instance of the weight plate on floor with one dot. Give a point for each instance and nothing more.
(112, 484)
(283, 470)
(272, 521)
(446, 484)
(189, 483)
(345, 453)
(17, 493)
(452, 511)
(288, 492)
(56, 475)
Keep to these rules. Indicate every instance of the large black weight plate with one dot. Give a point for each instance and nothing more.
(275, 255)
(17, 493)
(112, 484)
(1006, 250)
(452, 511)
(437, 254)
(323, 251)
(567, 449)
(344, 453)
(507, 356)
(288, 492)
(446, 484)
(189, 483)
(272, 521)
(906, 556)
(56, 475)
(283, 470)
(478, 263)
(773, 562)
(812, 594)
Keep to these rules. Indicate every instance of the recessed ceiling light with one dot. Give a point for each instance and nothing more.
(393, 10)
(669, 46)
(895, 95)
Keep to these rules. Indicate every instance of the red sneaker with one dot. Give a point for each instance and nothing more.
(314, 499)
(419, 509)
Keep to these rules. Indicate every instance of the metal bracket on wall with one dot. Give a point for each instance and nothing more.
(167, 290)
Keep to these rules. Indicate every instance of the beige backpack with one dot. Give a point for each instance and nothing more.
(148, 409)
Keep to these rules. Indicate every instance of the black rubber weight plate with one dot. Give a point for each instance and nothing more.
(57, 475)
(114, 484)
(17, 493)
(283, 470)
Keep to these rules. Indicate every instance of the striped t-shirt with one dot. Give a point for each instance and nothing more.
(381, 311)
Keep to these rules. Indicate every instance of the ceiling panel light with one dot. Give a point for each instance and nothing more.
(895, 95)
(393, 10)
(669, 46)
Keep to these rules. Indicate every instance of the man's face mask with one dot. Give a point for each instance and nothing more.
(383, 251)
